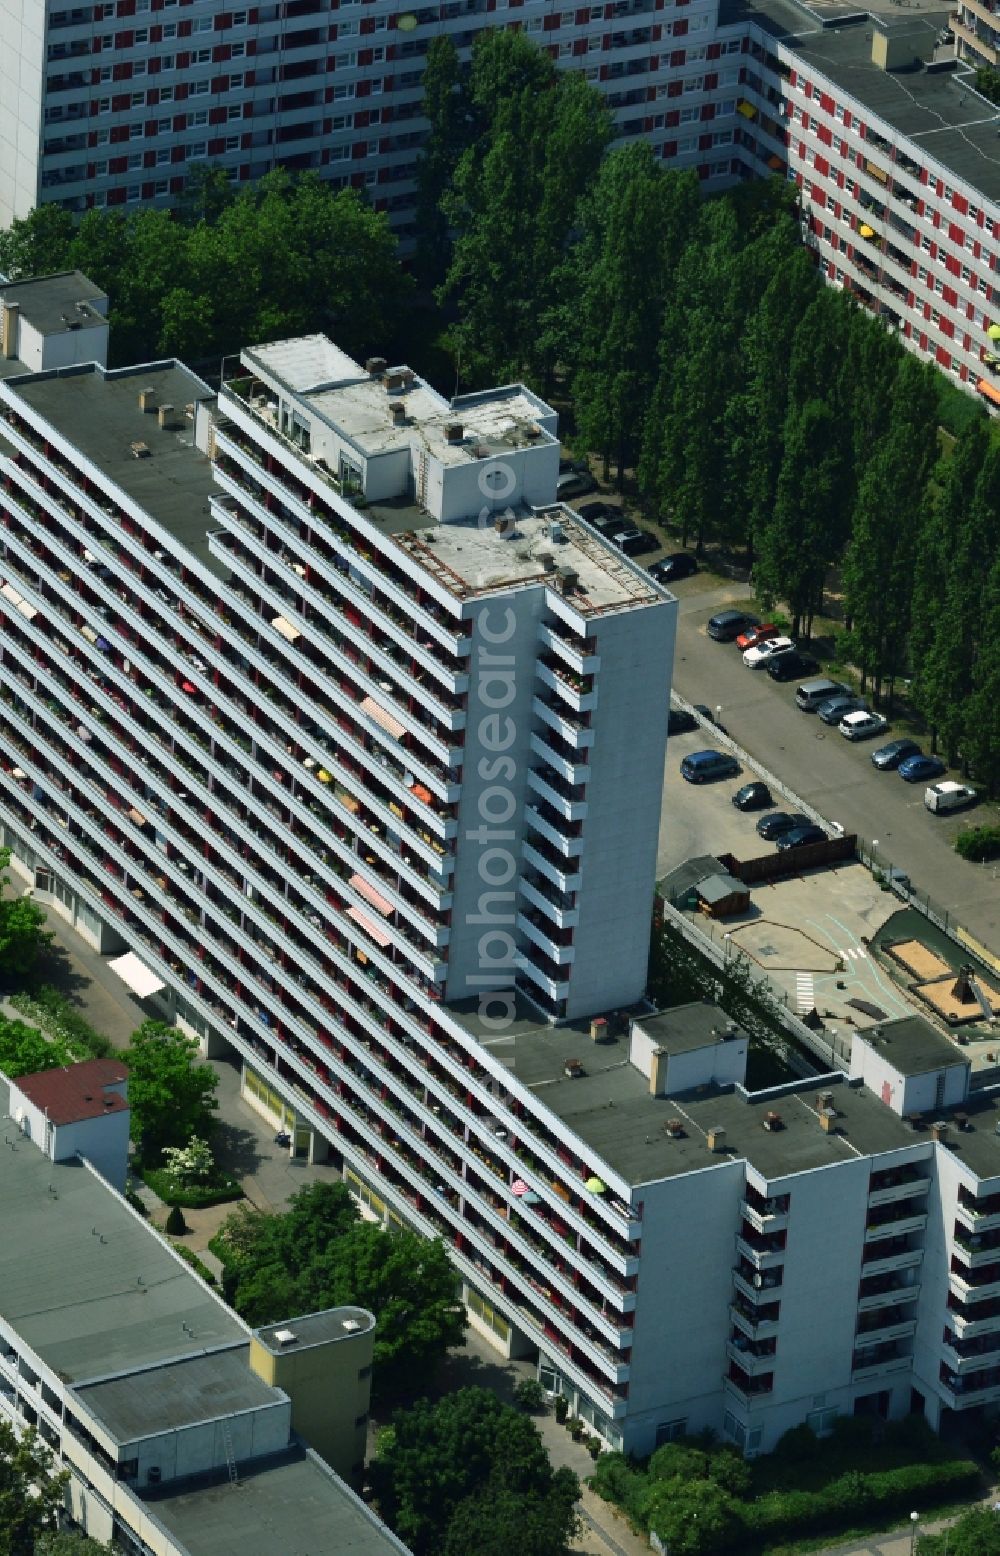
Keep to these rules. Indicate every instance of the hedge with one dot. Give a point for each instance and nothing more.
(978, 843)
(856, 1496)
(163, 1185)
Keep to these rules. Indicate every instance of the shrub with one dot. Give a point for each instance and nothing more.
(678, 1459)
(162, 1184)
(594, 1446)
(562, 1407)
(175, 1224)
(978, 843)
(190, 1257)
(798, 1445)
(59, 1019)
(529, 1394)
(731, 1472)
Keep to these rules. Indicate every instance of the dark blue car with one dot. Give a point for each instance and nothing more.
(918, 769)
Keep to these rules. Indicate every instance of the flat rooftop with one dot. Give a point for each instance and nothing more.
(100, 1293)
(360, 406)
(334, 1323)
(99, 414)
(53, 304)
(687, 1028)
(940, 112)
(610, 1107)
(77, 1091)
(470, 558)
(912, 1045)
(182, 1393)
(292, 1507)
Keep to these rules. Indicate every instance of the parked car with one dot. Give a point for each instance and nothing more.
(575, 483)
(706, 766)
(887, 758)
(680, 722)
(727, 625)
(920, 769)
(670, 568)
(834, 709)
(862, 724)
(757, 657)
(612, 524)
(634, 542)
(753, 796)
(780, 822)
(800, 836)
(788, 667)
(755, 635)
(810, 694)
(944, 797)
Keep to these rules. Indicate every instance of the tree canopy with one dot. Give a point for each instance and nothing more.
(31, 1490)
(282, 257)
(320, 1254)
(471, 1473)
(23, 937)
(170, 1091)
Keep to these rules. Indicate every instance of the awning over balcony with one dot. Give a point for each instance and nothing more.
(378, 934)
(383, 717)
(136, 815)
(986, 388)
(18, 601)
(280, 624)
(369, 893)
(136, 975)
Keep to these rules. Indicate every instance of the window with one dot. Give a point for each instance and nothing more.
(348, 29)
(196, 89)
(234, 111)
(139, 67)
(728, 105)
(922, 273)
(170, 29)
(925, 243)
(200, 116)
(138, 99)
(597, 13)
(375, 88)
(966, 274)
(372, 148)
(970, 244)
(670, 1431)
(104, 105)
(371, 179)
(340, 153)
(103, 137)
(239, 19)
(594, 45)
(719, 169)
(163, 156)
(161, 186)
(133, 192)
(822, 1422)
(733, 46)
(343, 121)
(141, 35)
(347, 61)
(135, 132)
(105, 73)
(235, 83)
(232, 143)
(380, 24)
(938, 285)
(695, 55)
(134, 161)
(202, 56)
(839, 112)
(533, 24)
(956, 365)
(168, 62)
(100, 169)
(689, 115)
(238, 50)
(949, 193)
(694, 84)
(342, 90)
(203, 24)
(725, 138)
(935, 316)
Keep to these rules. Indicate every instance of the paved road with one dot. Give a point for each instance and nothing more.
(834, 776)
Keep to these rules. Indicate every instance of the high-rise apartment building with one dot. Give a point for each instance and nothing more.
(327, 722)
(110, 104)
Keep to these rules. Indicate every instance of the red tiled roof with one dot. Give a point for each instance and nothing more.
(70, 1095)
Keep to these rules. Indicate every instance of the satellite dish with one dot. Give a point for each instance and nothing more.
(406, 23)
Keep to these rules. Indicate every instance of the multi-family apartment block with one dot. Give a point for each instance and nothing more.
(894, 151)
(333, 729)
(111, 104)
(185, 1433)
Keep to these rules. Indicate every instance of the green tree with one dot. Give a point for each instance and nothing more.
(170, 1092)
(446, 107)
(443, 1462)
(31, 1490)
(36, 244)
(981, 733)
(22, 936)
(614, 287)
(25, 1050)
(975, 1533)
(537, 137)
(69, 1544)
(794, 547)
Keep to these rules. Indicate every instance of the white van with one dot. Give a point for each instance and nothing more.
(943, 797)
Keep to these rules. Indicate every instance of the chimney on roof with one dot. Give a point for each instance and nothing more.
(394, 381)
(147, 400)
(376, 366)
(567, 580)
(504, 524)
(165, 417)
(939, 1131)
(398, 413)
(454, 432)
(716, 1139)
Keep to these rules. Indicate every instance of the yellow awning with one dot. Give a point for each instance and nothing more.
(285, 628)
(986, 388)
(866, 231)
(993, 332)
(747, 110)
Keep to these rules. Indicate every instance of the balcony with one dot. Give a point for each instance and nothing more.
(565, 799)
(879, 1360)
(762, 1252)
(576, 732)
(572, 650)
(977, 1250)
(578, 692)
(967, 1290)
(980, 1217)
(766, 1215)
(980, 46)
(884, 1328)
(883, 1261)
(543, 973)
(560, 908)
(534, 926)
(563, 759)
(557, 832)
(758, 1321)
(757, 1286)
(749, 1389)
(896, 1226)
(548, 862)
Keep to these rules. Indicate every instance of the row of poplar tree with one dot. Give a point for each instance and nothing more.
(754, 407)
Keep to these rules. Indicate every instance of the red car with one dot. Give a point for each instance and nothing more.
(756, 635)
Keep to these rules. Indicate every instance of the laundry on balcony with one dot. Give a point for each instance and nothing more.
(280, 624)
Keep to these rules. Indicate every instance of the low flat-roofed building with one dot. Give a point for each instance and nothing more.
(143, 1382)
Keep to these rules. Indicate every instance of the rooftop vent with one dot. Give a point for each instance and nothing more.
(165, 417)
(547, 560)
(824, 1099)
(285, 1337)
(939, 1130)
(556, 532)
(139, 450)
(772, 1120)
(504, 524)
(531, 431)
(454, 432)
(399, 413)
(568, 580)
(376, 366)
(674, 1128)
(147, 400)
(573, 1068)
(716, 1139)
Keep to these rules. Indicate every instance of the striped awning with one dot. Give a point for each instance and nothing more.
(384, 718)
(378, 934)
(363, 889)
(280, 624)
(18, 601)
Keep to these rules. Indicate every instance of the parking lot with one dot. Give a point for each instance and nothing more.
(829, 773)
